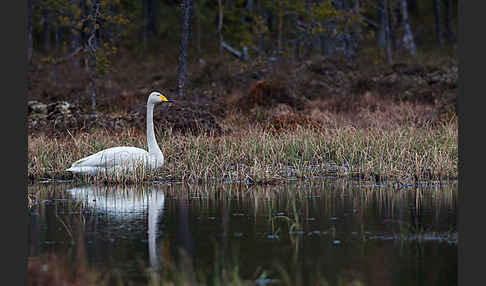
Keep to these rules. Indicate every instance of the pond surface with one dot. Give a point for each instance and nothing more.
(298, 233)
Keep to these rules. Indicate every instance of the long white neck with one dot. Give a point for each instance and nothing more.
(153, 147)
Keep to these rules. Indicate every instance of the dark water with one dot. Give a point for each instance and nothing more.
(338, 232)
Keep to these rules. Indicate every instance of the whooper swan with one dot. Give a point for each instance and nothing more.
(126, 158)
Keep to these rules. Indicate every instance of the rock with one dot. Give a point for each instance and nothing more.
(35, 107)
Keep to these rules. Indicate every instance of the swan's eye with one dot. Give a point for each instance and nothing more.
(163, 98)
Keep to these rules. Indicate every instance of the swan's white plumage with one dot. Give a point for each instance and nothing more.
(125, 158)
(115, 158)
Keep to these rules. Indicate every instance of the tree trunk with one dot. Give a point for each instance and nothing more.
(355, 34)
(391, 26)
(93, 81)
(92, 46)
(308, 45)
(144, 21)
(387, 34)
(438, 21)
(74, 38)
(197, 33)
(397, 11)
(268, 15)
(153, 14)
(110, 28)
(249, 6)
(267, 19)
(381, 35)
(249, 10)
(220, 27)
(57, 48)
(115, 10)
(413, 7)
(57, 36)
(84, 11)
(408, 41)
(280, 30)
(448, 19)
(29, 31)
(186, 21)
(297, 42)
(47, 30)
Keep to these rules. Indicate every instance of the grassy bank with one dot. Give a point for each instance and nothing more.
(400, 153)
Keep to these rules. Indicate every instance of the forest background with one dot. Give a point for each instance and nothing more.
(273, 65)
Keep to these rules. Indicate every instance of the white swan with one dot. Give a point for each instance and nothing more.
(126, 158)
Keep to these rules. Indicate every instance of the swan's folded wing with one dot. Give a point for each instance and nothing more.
(112, 157)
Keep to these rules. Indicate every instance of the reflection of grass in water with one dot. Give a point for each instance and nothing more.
(258, 199)
(294, 222)
(410, 232)
(266, 200)
(263, 199)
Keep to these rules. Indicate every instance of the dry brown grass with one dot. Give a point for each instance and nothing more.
(395, 143)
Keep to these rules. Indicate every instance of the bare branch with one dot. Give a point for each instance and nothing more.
(231, 50)
(368, 21)
(61, 60)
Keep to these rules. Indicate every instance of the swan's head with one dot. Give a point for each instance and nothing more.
(157, 97)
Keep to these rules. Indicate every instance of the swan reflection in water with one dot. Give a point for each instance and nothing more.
(126, 204)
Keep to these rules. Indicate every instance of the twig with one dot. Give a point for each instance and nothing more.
(58, 61)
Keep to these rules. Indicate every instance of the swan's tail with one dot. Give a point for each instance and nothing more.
(83, 170)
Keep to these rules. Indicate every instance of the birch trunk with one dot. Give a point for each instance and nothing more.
(387, 33)
(220, 27)
(408, 40)
(92, 46)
